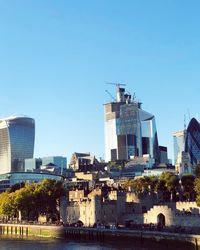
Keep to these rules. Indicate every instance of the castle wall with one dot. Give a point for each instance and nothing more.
(134, 218)
(94, 209)
(186, 214)
(187, 220)
(188, 206)
(152, 215)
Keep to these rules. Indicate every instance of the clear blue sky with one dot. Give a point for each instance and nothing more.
(56, 56)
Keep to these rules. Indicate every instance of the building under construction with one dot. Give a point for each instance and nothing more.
(129, 131)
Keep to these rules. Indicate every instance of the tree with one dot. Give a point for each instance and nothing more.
(7, 205)
(171, 183)
(161, 190)
(16, 187)
(187, 182)
(197, 190)
(153, 183)
(32, 200)
(47, 194)
(115, 165)
(25, 200)
(197, 171)
(142, 185)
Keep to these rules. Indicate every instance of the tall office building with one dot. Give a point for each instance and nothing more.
(192, 142)
(17, 136)
(187, 148)
(163, 155)
(179, 144)
(129, 130)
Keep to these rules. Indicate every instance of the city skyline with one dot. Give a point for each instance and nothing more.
(57, 57)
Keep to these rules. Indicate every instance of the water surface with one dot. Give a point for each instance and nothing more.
(49, 244)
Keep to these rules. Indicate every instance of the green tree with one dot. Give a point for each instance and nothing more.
(25, 200)
(197, 171)
(161, 190)
(171, 183)
(153, 183)
(187, 182)
(197, 190)
(138, 185)
(7, 205)
(115, 165)
(47, 195)
(142, 184)
(16, 187)
(32, 200)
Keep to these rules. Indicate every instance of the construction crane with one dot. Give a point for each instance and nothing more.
(116, 84)
(112, 97)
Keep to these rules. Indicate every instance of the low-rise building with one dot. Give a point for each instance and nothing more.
(55, 164)
(10, 179)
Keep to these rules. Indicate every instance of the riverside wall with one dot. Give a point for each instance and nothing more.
(99, 234)
(32, 230)
(141, 235)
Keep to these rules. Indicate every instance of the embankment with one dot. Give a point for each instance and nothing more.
(78, 233)
(155, 236)
(32, 230)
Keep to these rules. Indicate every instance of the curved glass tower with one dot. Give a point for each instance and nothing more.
(17, 136)
(192, 142)
(149, 135)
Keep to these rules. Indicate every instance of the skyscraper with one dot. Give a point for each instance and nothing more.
(192, 142)
(179, 143)
(129, 130)
(187, 148)
(17, 136)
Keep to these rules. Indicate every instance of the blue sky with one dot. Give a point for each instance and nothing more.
(56, 56)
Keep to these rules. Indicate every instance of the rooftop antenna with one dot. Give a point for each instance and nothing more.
(119, 91)
(116, 84)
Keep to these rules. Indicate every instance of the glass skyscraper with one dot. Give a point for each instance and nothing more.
(179, 143)
(192, 142)
(129, 130)
(17, 136)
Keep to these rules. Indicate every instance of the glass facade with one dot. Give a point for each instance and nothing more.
(36, 163)
(59, 161)
(32, 177)
(32, 164)
(150, 144)
(192, 142)
(17, 135)
(10, 179)
(129, 131)
(179, 143)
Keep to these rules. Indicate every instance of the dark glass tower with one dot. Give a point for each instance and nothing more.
(192, 142)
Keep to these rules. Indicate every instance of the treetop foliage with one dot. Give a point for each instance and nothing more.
(32, 199)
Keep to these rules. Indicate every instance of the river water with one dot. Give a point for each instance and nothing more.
(48, 244)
